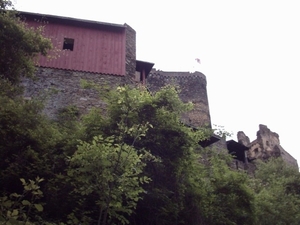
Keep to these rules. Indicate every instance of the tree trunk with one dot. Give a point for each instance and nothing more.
(100, 216)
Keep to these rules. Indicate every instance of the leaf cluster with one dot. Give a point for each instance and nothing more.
(135, 164)
(20, 46)
(21, 208)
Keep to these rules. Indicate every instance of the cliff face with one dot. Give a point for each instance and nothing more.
(265, 146)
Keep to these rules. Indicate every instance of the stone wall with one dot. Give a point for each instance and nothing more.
(219, 146)
(130, 52)
(62, 88)
(265, 146)
(192, 89)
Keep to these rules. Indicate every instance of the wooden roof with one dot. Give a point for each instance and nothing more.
(71, 21)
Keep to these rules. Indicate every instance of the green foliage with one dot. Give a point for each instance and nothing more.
(5, 4)
(169, 140)
(136, 163)
(31, 145)
(20, 208)
(112, 172)
(116, 174)
(20, 46)
(26, 137)
(68, 113)
(277, 196)
(220, 131)
(217, 194)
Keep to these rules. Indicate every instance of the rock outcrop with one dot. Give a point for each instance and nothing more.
(242, 138)
(265, 146)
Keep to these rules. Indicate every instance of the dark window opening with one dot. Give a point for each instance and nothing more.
(68, 44)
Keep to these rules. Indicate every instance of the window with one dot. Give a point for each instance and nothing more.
(68, 44)
(138, 77)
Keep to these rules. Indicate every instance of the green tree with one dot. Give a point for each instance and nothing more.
(277, 197)
(216, 193)
(27, 139)
(169, 140)
(30, 145)
(111, 171)
(20, 45)
(4, 4)
(18, 208)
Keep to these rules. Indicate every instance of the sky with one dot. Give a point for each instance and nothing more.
(249, 52)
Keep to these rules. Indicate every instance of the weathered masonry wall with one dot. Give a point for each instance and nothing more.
(265, 146)
(62, 88)
(130, 52)
(102, 53)
(192, 89)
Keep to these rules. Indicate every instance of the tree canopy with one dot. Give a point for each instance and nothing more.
(20, 45)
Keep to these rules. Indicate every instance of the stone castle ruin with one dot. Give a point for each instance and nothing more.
(105, 54)
(266, 145)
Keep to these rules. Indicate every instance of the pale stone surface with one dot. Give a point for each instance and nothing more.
(265, 146)
(242, 138)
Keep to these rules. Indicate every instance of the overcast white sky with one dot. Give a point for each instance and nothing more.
(249, 51)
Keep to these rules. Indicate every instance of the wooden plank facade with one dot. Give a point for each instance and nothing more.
(81, 45)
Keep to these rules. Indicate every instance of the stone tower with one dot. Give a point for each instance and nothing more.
(192, 88)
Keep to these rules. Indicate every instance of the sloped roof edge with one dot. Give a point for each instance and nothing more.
(144, 65)
(70, 20)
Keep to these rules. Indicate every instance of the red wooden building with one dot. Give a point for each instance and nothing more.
(89, 46)
(103, 53)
